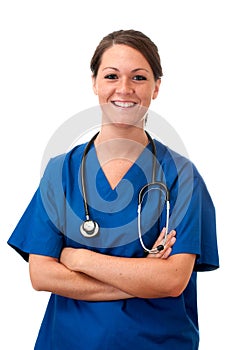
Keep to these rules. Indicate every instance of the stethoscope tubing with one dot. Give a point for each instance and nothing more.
(90, 228)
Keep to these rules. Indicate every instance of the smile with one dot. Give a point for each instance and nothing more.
(123, 104)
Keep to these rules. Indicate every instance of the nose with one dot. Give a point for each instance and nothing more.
(125, 86)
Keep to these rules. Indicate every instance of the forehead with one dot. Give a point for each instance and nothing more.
(122, 56)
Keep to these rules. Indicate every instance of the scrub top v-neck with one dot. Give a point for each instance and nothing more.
(52, 221)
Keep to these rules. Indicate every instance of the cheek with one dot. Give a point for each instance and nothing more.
(146, 94)
(103, 92)
(146, 99)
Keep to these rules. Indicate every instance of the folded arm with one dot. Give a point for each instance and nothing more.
(48, 274)
(63, 278)
(141, 277)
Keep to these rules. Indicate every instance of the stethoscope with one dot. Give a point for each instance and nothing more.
(90, 228)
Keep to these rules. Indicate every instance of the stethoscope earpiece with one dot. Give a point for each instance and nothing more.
(160, 247)
(155, 250)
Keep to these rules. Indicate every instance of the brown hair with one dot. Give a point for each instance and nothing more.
(134, 39)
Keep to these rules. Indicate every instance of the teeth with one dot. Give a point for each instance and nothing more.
(124, 104)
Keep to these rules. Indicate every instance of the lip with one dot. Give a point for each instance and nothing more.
(123, 104)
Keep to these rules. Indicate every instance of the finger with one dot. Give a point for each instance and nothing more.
(167, 253)
(161, 236)
(169, 245)
(170, 242)
(171, 234)
(164, 254)
(160, 239)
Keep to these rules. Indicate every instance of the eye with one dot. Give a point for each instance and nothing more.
(139, 77)
(110, 76)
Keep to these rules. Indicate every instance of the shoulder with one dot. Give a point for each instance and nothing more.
(166, 155)
(171, 160)
(62, 169)
(65, 160)
(179, 172)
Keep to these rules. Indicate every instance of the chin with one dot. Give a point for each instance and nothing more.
(124, 118)
(127, 125)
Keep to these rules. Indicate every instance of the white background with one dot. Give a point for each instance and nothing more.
(46, 47)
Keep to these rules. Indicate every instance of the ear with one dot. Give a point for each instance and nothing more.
(94, 85)
(156, 89)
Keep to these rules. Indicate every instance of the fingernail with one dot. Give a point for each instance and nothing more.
(173, 240)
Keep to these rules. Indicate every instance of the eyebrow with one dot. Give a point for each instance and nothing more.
(133, 71)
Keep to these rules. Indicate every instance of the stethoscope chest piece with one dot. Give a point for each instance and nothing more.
(89, 228)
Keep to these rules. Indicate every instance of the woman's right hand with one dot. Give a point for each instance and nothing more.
(171, 239)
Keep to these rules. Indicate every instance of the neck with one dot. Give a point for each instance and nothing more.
(112, 132)
(114, 142)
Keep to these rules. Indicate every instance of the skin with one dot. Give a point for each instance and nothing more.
(125, 76)
(50, 274)
(125, 87)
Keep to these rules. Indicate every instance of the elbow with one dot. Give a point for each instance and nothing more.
(37, 272)
(176, 289)
(173, 289)
(176, 292)
(35, 280)
(170, 290)
(36, 286)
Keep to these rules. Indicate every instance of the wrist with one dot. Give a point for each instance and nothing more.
(69, 258)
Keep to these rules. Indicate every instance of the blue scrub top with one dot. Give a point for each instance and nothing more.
(52, 221)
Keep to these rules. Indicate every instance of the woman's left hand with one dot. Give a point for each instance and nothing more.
(164, 254)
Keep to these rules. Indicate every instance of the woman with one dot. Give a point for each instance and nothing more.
(107, 291)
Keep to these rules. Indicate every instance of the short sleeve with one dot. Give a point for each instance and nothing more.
(196, 229)
(38, 231)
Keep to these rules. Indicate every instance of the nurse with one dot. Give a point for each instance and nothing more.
(107, 292)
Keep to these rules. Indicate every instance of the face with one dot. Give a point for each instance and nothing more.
(125, 85)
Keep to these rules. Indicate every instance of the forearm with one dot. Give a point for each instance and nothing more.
(135, 276)
(47, 274)
(141, 277)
